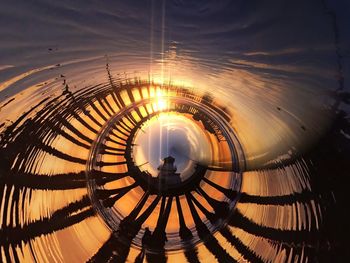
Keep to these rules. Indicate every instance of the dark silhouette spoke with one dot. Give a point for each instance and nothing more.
(103, 106)
(159, 235)
(184, 232)
(131, 119)
(124, 125)
(104, 177)
(229, 193)
(46, 182)
(115, 99)
(117, 247)
(221, 208)
(118, 136)
(192, 255)
(102, 164)
(118, 193)
(138, 208)
(142, 218)
(112, 110)
(204, 234)
(211, 217)
(74, 130)
(120, 131)
(60, 154)
(92, 104)
(108, 138)
(63, 133)
(83, 122)
(158, 238)
(62, 218)
(304, 196)
(120, 99)
(241, 248)
(106, 193)
(92, 118)
(240, 221)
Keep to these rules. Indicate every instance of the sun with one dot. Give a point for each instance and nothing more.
(162, 104)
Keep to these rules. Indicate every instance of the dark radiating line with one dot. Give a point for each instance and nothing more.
(229, 193)
(83, 122)
(104, 99)
(161, 211)
(158, 237)
(192, 255)
(102, 163)
(138, 207)
(138, 112)
(146, 110)
(119, 193)
(117, 136)
(113, 149)
(108, 138)
(110, 247)
(142, 218)
(211, 217)
(242, 222)
(59, 220)
(60, 154)
(120, 131)
(11, 131)
(105, 193)
(91, 117)
(116, 100)
(120, 99)
(46, 182)
(7, 248)
(302, 197)
(117, 247)
(184, 232)
(131, 96)
(105, 177)
(204, 234)
(70, 138)
(92, 104)
(70, 127)
(219, 169)
(245, 251)
(131, 118)
(124, 125)
(113, 153)
(220, 207)
(103, 106)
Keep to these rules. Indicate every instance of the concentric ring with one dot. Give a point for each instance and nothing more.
(112, 152)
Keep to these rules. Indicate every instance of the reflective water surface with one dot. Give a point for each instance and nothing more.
(174, 131)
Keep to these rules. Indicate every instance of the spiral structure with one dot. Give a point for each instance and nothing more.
(174, 131)
(106, 132)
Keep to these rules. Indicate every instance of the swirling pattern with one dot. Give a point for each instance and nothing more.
(221, 149)
(93, 130)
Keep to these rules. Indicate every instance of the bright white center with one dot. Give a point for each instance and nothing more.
(171, 134)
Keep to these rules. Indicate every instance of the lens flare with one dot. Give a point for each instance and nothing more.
(174, 131)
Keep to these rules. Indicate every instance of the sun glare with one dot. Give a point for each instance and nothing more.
(162, 104)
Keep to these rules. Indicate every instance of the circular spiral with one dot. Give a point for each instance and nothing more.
(114, 176)
(188, 194)
(173, 131)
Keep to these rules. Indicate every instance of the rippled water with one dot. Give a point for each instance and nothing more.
(99, 101)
